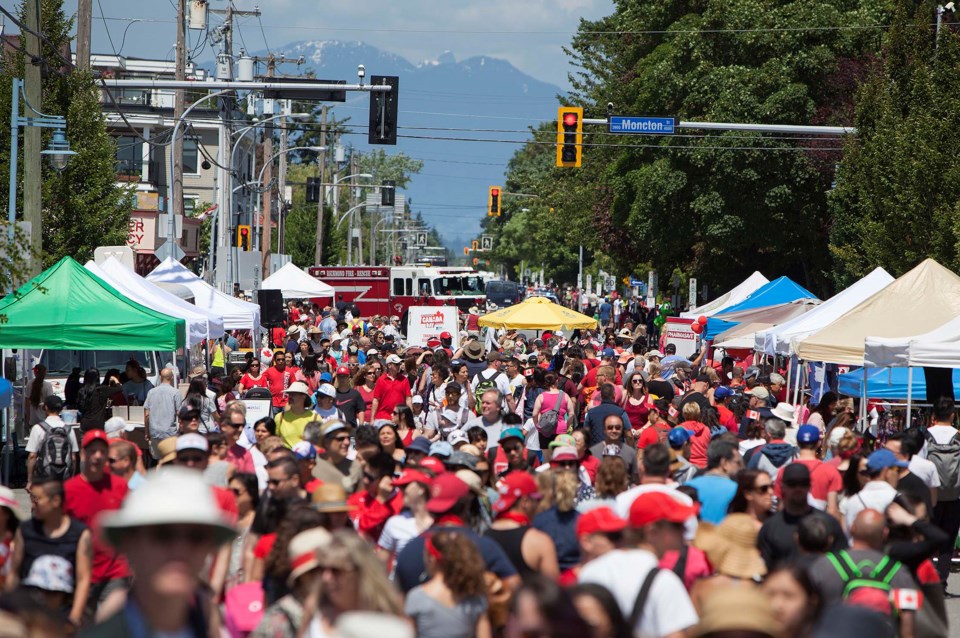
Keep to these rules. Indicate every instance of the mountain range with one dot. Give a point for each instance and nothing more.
(479, 98)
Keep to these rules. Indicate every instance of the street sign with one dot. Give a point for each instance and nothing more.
(486, 242)
(629, 125)
(693, 292)
(635, 282)
(421, 239)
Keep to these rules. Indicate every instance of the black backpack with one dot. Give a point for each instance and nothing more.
(54, 456)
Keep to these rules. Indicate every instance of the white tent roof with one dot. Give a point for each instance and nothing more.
(237, 314)
(939, 348)
(779, 339)
(730, 298)
(296, 284)
(201, 324)
(919, 301)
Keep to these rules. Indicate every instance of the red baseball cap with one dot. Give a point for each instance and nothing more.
(659, 506)
(433, 464)
(412, 476)
(343, 370)
(513, 487)
(94, 435)
(433, 343)
(445, 335)
(445, 491)
(600, 520)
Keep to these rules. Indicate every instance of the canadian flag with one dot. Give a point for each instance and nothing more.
(753, 414)
(907, 599)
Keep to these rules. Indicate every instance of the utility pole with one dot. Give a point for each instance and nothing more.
(267, 196)
(322, 161)
(84, 18)
(32, 176)
(282, 206)
(354, 200)
(175, 205)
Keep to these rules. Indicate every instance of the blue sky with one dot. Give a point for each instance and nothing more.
(528, 33)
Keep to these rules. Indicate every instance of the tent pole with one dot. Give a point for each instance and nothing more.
(863, 400)
(909, 396)
(796, 382)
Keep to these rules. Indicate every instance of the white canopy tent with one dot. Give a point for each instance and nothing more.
(237, 314)
(293, 283)
(730, 298)
(201, 324)
(743, 335)
(939, 348)
(919, 301)
(779, 339)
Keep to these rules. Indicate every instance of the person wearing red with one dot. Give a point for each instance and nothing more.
(655, 431)
(598, 531)
(87, 495)
(279, 336)
(725, 415)
(232, 424)
(193, 452)
(306, 456)
(378, 500)
(279, 379)
(392, 389)
(701, 434)
(529, 549)
(825, 479)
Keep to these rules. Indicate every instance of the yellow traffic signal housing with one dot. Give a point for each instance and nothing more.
(475, 244)
(243, 237)
(494, 204)
(569, 136)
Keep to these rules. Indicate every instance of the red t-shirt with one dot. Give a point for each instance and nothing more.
(390, 393)
(85, 501)
(824, 478)
(227, 502)
(698, 442)
(653, 434)
(278, 381)
(249, 382)
(264, 545)
(279, 336)
(727, 419)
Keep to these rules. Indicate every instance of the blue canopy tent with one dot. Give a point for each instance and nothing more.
(890, 383)
(6, 393)
(779, 291)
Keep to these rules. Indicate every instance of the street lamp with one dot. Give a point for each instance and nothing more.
(58, 150)
(265, 189)
(336, 207)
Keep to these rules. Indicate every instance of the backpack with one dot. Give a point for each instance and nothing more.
(946, 457)
(865, 588)
(547, 424)
(484, 384)
(54, 456)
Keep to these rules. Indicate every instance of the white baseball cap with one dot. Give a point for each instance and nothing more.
(192, 441)
(417, 398)
(115, 425)
(394, 359)
(327, 390)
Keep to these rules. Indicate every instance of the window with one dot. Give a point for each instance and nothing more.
(398, 286)
(129, 156)
(409, 282)
(190, 204)
(191, 156)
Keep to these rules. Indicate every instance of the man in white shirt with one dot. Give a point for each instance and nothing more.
(657, 520)
(494, 378)
(883, 468)
(52, 406)
(490, 417)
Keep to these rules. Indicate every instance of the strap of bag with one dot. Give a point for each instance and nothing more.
(680, 567)
(637, 613)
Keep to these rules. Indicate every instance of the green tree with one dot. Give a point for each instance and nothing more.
(718, 206)
(82, 206)
(897, 195)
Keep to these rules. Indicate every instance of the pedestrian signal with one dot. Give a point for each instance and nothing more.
(569, 136)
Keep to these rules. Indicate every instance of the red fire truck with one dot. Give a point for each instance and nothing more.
(386, 290)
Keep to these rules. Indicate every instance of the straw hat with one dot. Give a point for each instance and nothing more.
(167, 448)
(331, 497)
(738, 609)
(303, 550)
(731, 546)
(160, 501)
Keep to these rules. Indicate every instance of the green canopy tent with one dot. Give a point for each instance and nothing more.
(66, 307)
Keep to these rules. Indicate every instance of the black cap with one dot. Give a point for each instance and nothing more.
(796, 474)
(703, 378)
(188, 411)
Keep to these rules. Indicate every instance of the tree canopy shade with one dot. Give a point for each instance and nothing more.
(66, 307)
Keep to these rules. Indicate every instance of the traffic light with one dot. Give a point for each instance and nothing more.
(466, 251)
(383, 111)
(475, 244)
(493, 202)
(313, 190)
(569, 136)
(388, 193)
(476, 261)
(243, 237)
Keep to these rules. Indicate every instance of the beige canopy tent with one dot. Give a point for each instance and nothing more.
(919, 301)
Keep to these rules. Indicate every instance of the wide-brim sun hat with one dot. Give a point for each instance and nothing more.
(731, 546)
(9, 501)
(174, 496)
(738, 609)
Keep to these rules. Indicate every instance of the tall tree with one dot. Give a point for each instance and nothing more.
(83, 207)
(897, 195)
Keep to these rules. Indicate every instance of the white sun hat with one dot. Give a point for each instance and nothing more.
(174, 496)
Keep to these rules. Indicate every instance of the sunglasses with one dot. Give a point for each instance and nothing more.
(191, 458)
(566, 464)
(112, 461)
(276, 482)
(763, 489)
(170, 534)
(512, 448)
(341, 439)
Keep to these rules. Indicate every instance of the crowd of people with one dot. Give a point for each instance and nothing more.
(561, 485)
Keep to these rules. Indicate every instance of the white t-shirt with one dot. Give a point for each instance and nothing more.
(37, 434)
(499, 379)
(925, 470)
(875, 495)
(941, 434)
(493, 431)
(398, 531)
(668, 608)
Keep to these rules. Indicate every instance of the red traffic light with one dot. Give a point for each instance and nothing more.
(570, 119)
(494, 191)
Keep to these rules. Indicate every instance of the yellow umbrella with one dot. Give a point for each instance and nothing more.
(537, 313)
